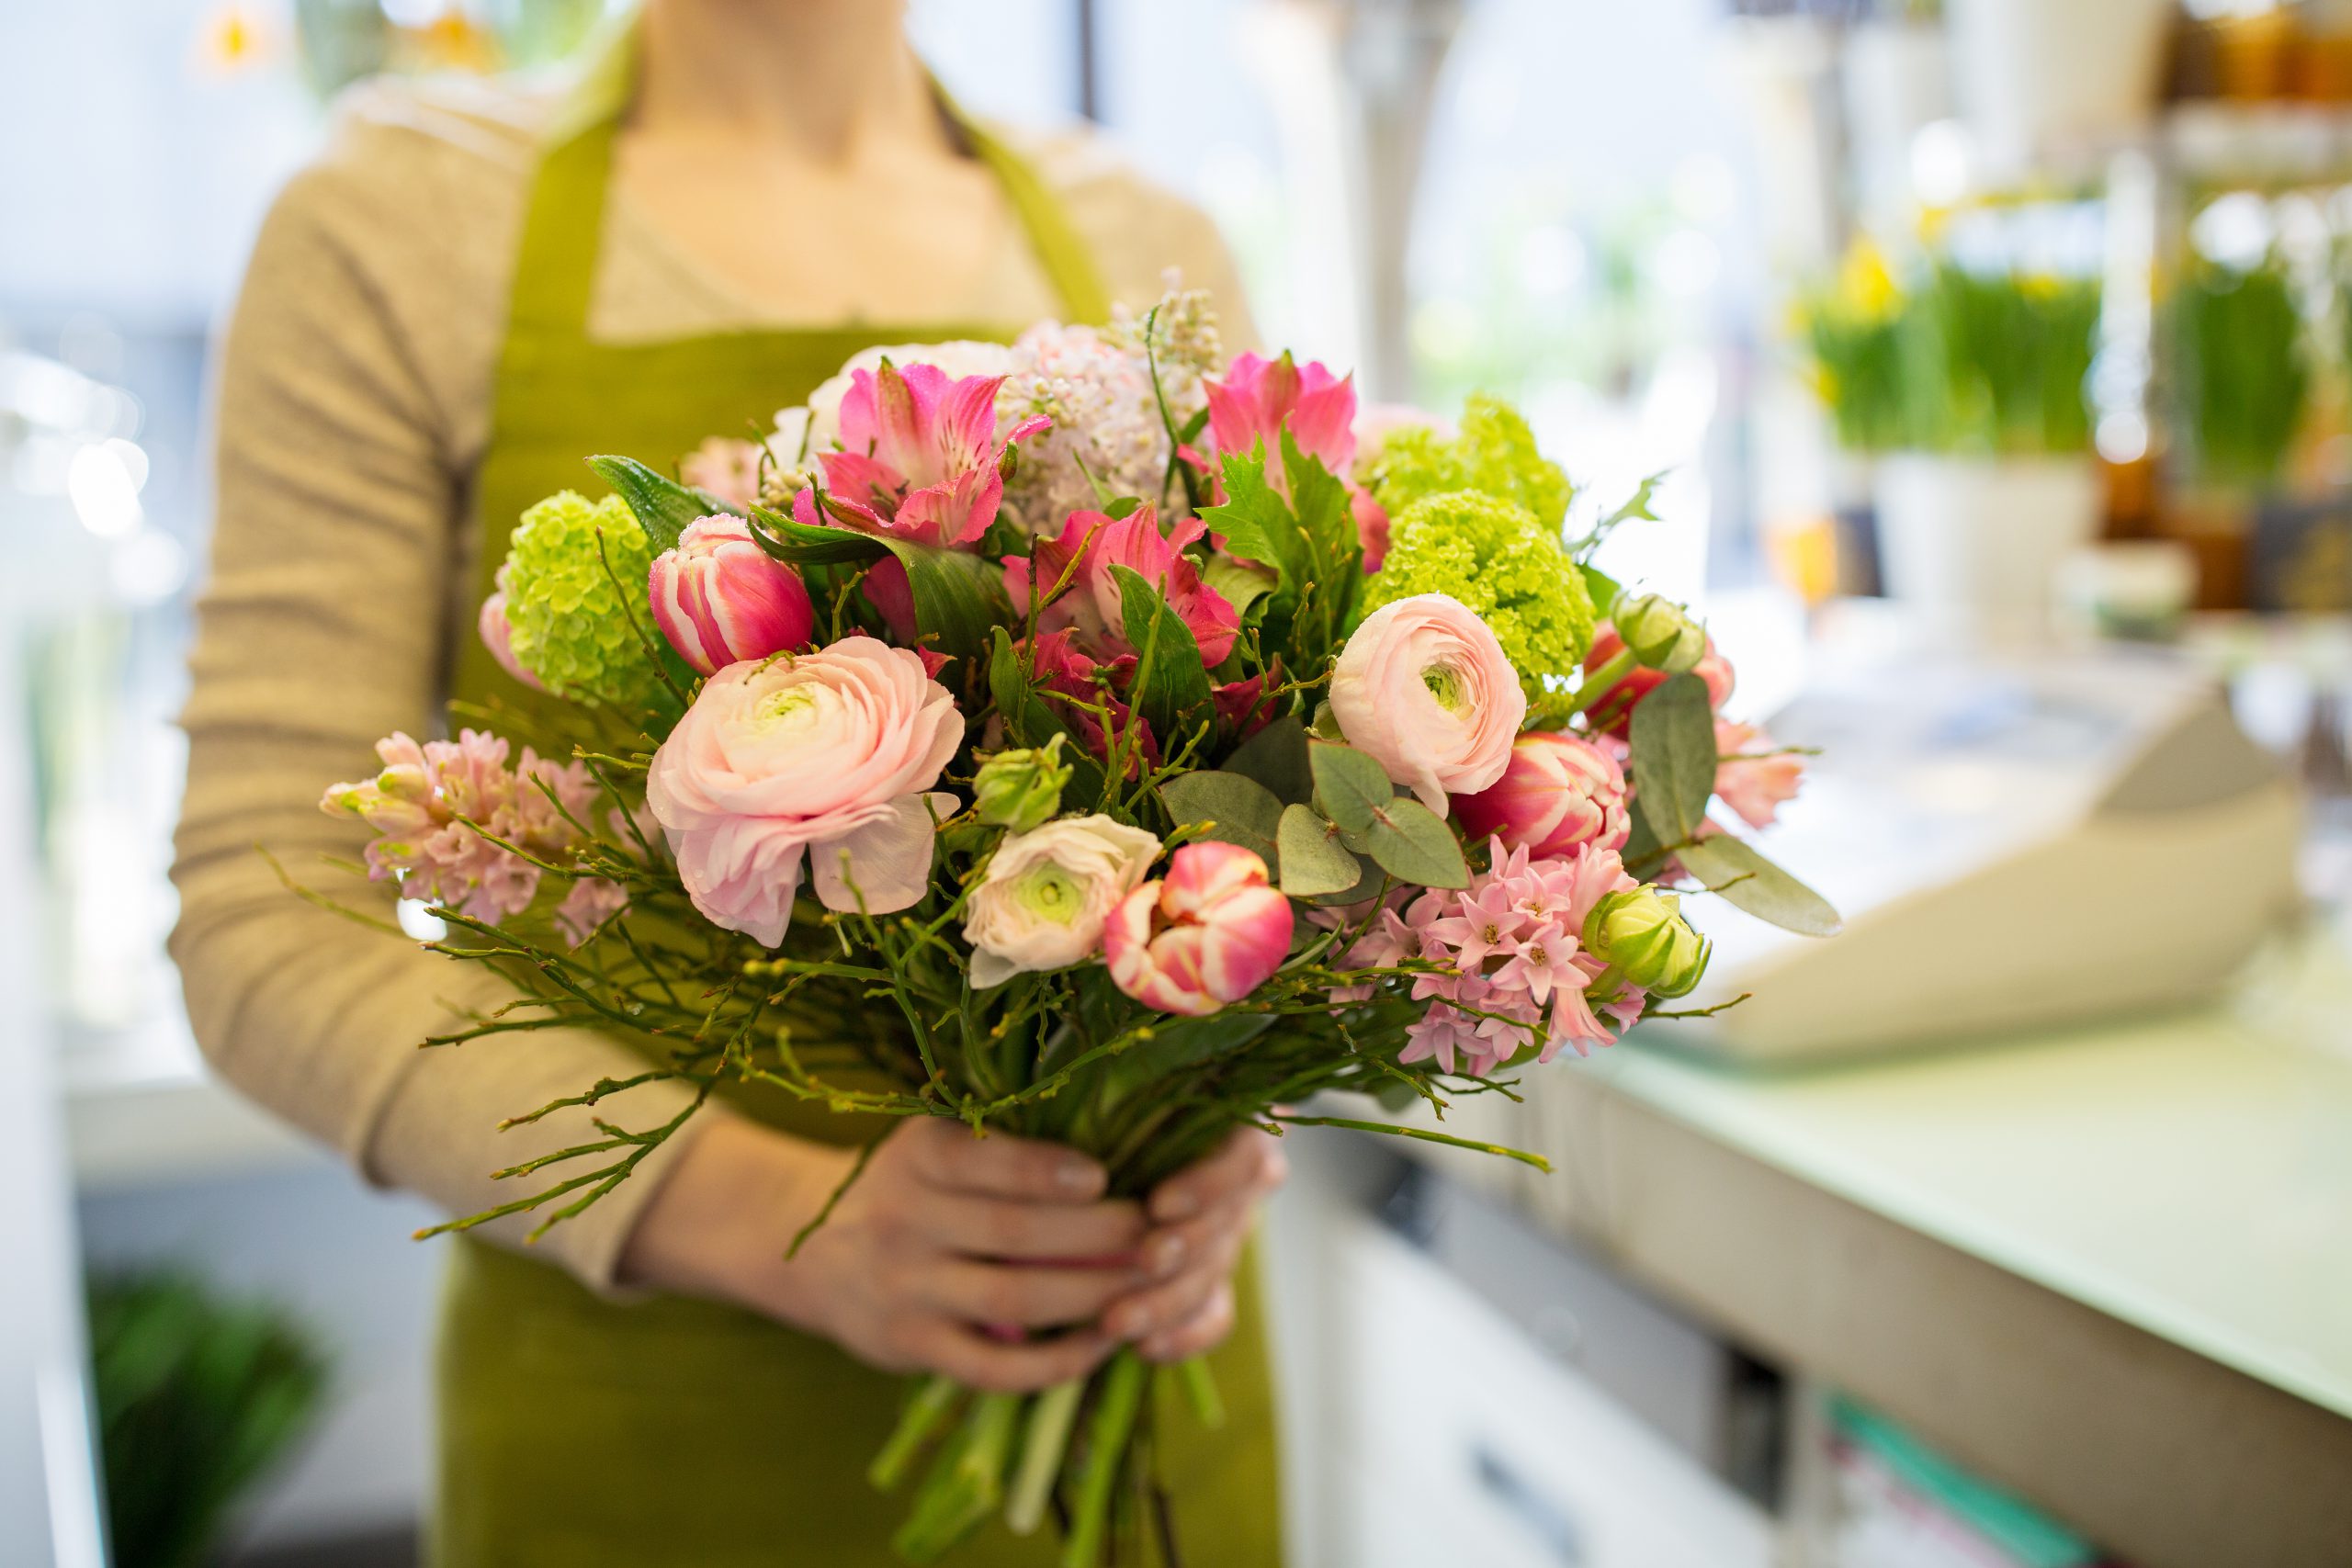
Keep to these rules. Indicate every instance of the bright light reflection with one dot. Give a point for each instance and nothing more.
(103, 491)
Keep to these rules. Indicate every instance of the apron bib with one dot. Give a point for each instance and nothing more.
(576, 1432)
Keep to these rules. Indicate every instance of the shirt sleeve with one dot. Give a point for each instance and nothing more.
(334, 567)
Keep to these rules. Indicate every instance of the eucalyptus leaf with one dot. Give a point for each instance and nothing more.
(1673, 736)
(1349, 786)
(663, 506)
(1170, 687)
(1734, 869)
(1276, 758)
(1412, 843)
(1313, 863)
(1238, 811)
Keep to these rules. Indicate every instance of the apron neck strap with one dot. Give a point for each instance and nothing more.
(563, 223)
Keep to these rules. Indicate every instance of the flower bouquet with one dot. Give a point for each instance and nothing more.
(1161, 742)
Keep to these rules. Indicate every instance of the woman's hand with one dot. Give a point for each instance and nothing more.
(948, 1244)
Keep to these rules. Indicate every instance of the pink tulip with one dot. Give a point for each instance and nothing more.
(1258, 396)
(497, 635)
(719, 598)
(920, 459)
(1425, 690)
(1615, 709)
(1752, 776)
(1559, 791)
(1210, 933)
(1091, 607)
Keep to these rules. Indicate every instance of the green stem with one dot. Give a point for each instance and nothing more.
(1598, 684)
(1392, 1130)
(966, 1484)
(1200, 1391)
(1106, 1453)
(1041, 1447)
(924, 1413)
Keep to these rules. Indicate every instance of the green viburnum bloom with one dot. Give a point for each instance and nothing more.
(1642, 936)
(571, 626)
(1510, 569)
(1495, 454)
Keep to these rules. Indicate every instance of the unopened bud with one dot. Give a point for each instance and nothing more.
(1642, 936)
(1021, 790)
(1659, 633)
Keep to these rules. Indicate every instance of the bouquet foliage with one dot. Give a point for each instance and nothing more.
(1089, 739)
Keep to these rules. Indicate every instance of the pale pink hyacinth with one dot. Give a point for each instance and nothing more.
(1092, 607)
(726, 468)
(497, 633)
(421, 805)
(1424, 689)
(919, 457)
(1209, 933)
(825, 758)
(1557, 792)
(719, 598)
(1515, 971)
(1753, 776)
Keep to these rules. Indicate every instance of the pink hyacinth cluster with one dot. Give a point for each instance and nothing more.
(1515, 971)
(437, 806)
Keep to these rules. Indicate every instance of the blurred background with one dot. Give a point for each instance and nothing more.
(1997, 358)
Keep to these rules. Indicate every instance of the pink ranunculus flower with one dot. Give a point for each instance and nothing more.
(726, 468)
(1046, 893)
(1425, 690)
(1210, 933)
(828, 757)
(497, 635)
(1091, 607)
(719, 598)
(1752, 776)
(1558, 790)
(920, 459)
(1257, 398)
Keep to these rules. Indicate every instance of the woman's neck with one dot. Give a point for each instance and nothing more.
(825, 79)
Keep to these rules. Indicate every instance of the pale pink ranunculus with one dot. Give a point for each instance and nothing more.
(1752, 774)
(828, 757)
(720, 599)
(1258, 398)
(1424, 689)
(1046, 893)
(919, 457)
(1091, 607)
(497, 634)
(1557, 792)
(726, 468)
(1211, 932)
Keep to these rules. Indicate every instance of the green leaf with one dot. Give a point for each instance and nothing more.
(1733, 868)
(1255, 521)
(1029, 721)
(1242, 583)
(959, 598)
(1412, 843)
(1170, 688)
(1313, 863)
(1276, 758)
(1122, 507)
(1350, 786)
(1600, 588)
(1673, 736)
(812, 544)
(1318, 498)
(662, 505)
(1179, 1043)
(1241, 810)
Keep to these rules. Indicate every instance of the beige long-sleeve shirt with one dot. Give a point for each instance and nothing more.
(354, 403)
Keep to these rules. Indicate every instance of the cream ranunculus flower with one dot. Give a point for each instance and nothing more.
(1049, 892)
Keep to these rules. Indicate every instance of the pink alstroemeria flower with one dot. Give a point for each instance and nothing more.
(1258, 396)
(920, 459)
(1212, 932)
(1091, 608)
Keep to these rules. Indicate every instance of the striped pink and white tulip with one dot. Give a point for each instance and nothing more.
(1211, 932)
(720, 599)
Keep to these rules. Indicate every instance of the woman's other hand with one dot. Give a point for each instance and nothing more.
(946, 1244)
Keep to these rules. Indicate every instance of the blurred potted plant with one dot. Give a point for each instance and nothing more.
(197, 1397)
(2244, 380)
(1968, 389)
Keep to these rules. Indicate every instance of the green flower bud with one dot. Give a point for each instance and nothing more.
(1642, 936)
(1659, 633)
(1021, 790)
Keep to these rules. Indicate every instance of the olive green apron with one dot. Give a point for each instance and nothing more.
(576, 1432)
